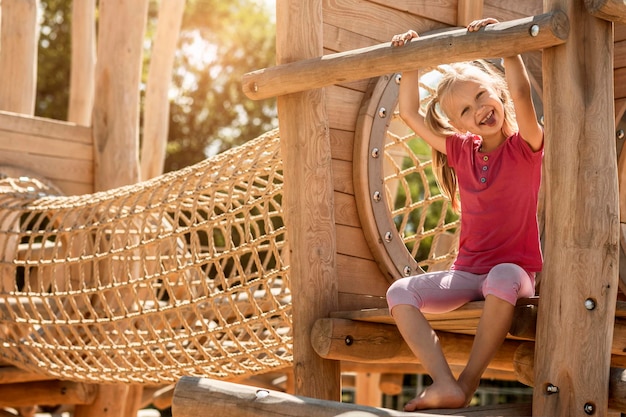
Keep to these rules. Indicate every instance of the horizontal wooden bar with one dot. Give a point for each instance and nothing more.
(611, 10)
(497, 40)
(193, 396)
(47, 392)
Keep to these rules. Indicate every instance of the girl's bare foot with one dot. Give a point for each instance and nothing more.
(439, 395)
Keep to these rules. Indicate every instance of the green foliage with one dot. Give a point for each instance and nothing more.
(219, 42)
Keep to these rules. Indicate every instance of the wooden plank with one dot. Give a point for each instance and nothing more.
(53, 168)
(343, 107)
(342, 176)
(360, 276)
(351, 241)
(576, 315)
(619, 76)
(342, 144)
(512, 9)
(199, 397)
(620, 55)
(12, 374)
(439, 10)
(46, 128)
(338, 39)
(37, 145)
(18, 72)
(496, 40)
(345, 210)
(364, 17)
(305, 147)
(620, 32)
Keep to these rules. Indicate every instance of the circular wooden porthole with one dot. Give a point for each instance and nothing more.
(408, 223)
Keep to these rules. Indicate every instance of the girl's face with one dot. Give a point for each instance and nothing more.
(476, 107)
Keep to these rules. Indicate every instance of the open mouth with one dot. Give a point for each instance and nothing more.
(489, 119)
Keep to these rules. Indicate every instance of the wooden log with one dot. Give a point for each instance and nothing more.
(12, 375)
(576, 315)
(611, 10)
(367, 390)
(200, 397)
(524, 369)
(116, 101)
(18, 72)
(502, 39)
(348, 340)
(308, 199)
(157, 104)
(110, 401)
(46, 392)
(83, 63)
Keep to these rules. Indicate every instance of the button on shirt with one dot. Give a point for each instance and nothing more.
(498, 192)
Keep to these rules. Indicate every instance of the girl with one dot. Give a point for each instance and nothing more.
(488, 144)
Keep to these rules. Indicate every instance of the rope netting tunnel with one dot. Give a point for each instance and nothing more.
(180, 275)
(187, 273)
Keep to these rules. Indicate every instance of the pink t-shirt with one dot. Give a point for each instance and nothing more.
(498, 192)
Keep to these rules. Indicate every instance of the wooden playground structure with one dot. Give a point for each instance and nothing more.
(267, 266)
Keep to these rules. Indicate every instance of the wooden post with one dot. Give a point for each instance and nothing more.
(468, 11)
(109, 402)
(613, 10)
(83, 63)
(18, 55)
(579, 288)
(308, 199)
(116, 105)
(157, 104)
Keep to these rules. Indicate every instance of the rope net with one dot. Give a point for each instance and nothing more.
(180, 275)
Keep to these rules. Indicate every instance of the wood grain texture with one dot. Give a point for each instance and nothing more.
(581, 248)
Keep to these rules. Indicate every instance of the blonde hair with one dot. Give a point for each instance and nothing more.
(436, 119)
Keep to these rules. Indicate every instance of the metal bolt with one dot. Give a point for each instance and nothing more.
(589, 408)
(348, 340)
(376, 196)
(388, 236)
(534, 30)
(542, 120)
(552, 389)
(375, 153)
(262, 393)
(407, 271)
(382, 112)
(620, 134)
(398, 78)
(590, 304)
(255, 87)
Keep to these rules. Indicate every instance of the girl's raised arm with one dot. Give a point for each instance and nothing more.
(519, 89)
(409, 100)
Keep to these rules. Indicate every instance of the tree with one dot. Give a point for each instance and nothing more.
(219, 42)
(210, 113)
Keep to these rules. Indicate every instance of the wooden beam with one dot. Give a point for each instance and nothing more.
(83, 63)
(308, 199)
(200, 397)
(611, 10)
(468, 11)
(502, 39)
(577, 310)
(354, 341)
(12, 374)
(46, 392)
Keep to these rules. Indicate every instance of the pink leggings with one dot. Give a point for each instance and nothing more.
(440, 292)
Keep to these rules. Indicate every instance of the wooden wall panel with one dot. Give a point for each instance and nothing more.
(512, 9)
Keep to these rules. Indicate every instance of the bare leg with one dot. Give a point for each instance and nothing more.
(445, 392)
(493, 327)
